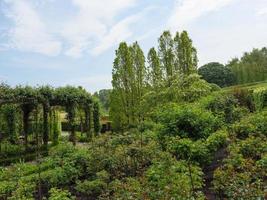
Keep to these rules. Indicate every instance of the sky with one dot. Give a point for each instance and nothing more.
(73, 42)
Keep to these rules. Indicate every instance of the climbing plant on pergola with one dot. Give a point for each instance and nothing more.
(70, 98)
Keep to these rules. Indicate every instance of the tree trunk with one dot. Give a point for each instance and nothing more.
(45, 124)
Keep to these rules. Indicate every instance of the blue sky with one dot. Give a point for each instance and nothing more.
(59, 42)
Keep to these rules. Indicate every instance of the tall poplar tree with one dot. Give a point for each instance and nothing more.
(155, 75)
(186, 54)
(166, 54)
(122, 81)
(138, 89)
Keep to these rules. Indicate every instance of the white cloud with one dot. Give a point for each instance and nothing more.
(94, 27)
(262, 11)
(94, 21)
(29, 32)
(92, 83)
(119, 32)
(186, 11)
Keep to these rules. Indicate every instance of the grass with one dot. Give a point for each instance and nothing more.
(247, 86)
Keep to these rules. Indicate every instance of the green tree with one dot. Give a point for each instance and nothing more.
(186, 54)
(166, 55)
(155, 75)
(139, 86)
(217, 73)
(122, 82)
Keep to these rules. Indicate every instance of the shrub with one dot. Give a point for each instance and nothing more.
(187, 121)
(225, 106)
(6, 188)
(59, 194)
(230, 184)
(127, 189)
(217, 140)
(187, 149)
(253, 147)
(170, 179)
(253, 124)
(91, 188)
(24, 191)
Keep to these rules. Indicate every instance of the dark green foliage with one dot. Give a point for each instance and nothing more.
(94, 188)
(225, 106)
(187, 121)
(217, 73)
(10, 115)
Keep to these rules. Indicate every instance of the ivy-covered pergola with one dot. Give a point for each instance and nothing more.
(43, 101)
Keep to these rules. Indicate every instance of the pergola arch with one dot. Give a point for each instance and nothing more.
(29, 98)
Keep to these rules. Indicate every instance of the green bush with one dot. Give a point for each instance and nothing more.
(24, 191)
(253, 124)
(59, 194)
(91, 188)
(186, 149)
(225, 106)
(253, 147)
(217, 140)
(231, 185)
(187, 121)
(170, 179)
(127, 189)
(6, 188)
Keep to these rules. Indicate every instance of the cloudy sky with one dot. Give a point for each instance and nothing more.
(61, 42)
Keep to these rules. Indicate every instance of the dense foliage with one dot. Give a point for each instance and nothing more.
(217, 73)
